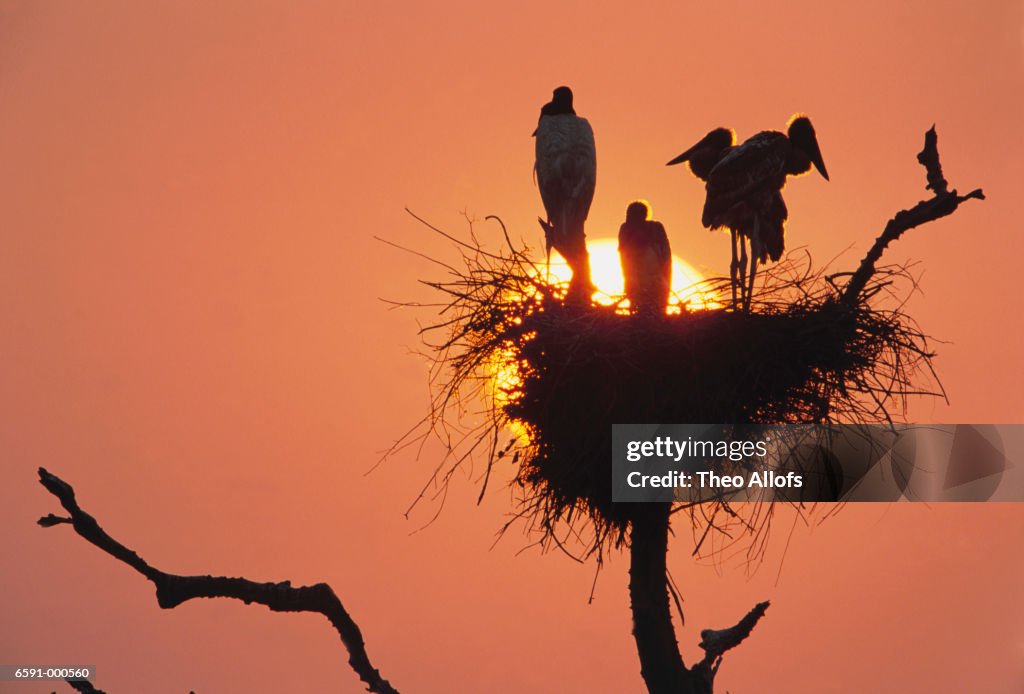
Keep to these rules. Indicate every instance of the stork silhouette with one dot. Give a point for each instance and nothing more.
(744, 190)
(646, 261)
(566, 171)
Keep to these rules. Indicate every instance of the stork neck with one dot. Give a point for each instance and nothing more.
(702, 162)
(797, 162)
(553, 109)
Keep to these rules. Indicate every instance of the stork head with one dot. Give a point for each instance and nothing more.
(560, 104)
(715, 141)
(637, 212)
(561, 100)
(802, 137)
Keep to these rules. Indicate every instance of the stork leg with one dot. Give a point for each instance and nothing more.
(743, 271)
(734, 267)
(548, 234)
(755, 253)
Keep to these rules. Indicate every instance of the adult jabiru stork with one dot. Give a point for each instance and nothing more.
(566, 171)
(646, 261)
(744, 192)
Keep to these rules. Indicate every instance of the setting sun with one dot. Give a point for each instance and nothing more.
(606, 272)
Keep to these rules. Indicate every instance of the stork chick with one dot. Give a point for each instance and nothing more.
(646, 261)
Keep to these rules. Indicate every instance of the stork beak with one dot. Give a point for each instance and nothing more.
(819, 164)
(685, 156)
(816, 159)
(534, 133)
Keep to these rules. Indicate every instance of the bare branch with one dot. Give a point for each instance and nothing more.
(716, 642)
(943, 203)
(85, 687)
(172, 590)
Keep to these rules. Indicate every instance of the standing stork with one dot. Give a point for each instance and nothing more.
(744, 192)
(566, 170)
(646, 261)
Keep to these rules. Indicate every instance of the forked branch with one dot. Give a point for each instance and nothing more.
(716, 642)
(172, 590)
(942, 203)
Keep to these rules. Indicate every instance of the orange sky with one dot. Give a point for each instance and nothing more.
(192, 332)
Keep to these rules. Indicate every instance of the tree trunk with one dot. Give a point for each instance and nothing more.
(661, 665)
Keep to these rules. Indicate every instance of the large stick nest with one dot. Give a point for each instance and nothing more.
(814, 348)
(561, 374)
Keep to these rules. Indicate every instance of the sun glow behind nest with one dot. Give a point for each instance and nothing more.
(606, 273)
